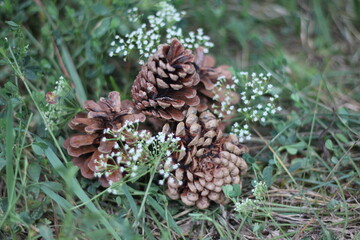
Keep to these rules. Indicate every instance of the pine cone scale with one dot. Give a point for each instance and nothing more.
(77, 141)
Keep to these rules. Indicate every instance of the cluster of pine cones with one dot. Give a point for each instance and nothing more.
(174, 90)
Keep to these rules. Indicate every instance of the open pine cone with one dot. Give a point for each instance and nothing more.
(89, 149)
(209, 75)
(209, 160)
(165, 85)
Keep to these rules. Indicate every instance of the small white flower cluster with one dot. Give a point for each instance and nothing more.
(166, 169)
(252, 95)
(167, 164)
(260, 190)
(246, 206)
(125, 158)
(147, 38)
(143, 152)
(225, 107)
(133, 14)
(243, 132)
(54, 109)
(257, 100)
(193, 41)
(249, 205)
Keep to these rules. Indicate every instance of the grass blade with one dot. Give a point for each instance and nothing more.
(79, 88)
(79, 192)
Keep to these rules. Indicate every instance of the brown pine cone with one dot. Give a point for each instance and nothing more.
(89, 149)
(208, 161)
(165, 85)
(208, 78)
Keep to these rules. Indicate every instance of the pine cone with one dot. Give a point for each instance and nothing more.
(89, 149)
(209, 161)
(165, 85)
(208, 78)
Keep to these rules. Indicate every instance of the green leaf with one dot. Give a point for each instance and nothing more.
(295, 97)
(237, 189)
(291, 150)
(329, 144)
(25, 217)
(227, 190)
(295, 166)
(34, 171)
(248, 158)
(267, 174)
(37, 213)
(231, 191)
(334, 160)
(102, 28)
(38, 148)
(46, 232)
(342, 137)
(12, 24)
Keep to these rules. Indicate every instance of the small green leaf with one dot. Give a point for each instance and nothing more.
(342, 137)
(291, 150)
(334, 160)
(231, 191)
(256, 227)
(248, 158)
(25, 217)
(227, 189)
(46, 232)
(37, 213)
(12, 24)
(237, 189)
(329, 144)
(267, 174)
(295, 166)
(34, 171)
(38, 148)
(295, 97)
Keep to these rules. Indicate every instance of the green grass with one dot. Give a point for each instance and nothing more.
(309, 154)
